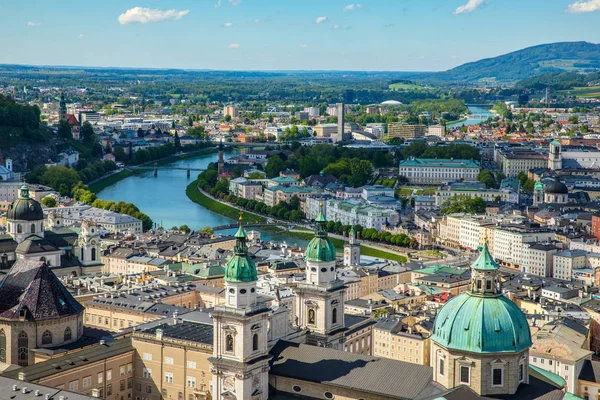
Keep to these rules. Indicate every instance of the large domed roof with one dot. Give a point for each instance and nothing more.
(481, 325)
(556, 187)
(25, 208)
(240, 267)
(320, 248)
(482, 320)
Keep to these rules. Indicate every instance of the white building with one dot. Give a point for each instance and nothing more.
(353, 212)
(538, 259)
(566, 262)
(427, 171)
(109, 220)
(508, 242)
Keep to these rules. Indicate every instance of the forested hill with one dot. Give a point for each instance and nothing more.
(19, 124)
(526, 63)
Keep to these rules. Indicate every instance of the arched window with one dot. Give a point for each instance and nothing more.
(32, 228)
(67, 334)
(93, 254)
(23, 349)
(2, 346)
(255, 342)
(81, 251)
(311, 316)
(47, 337)
(19, 228)
(334, 316)
(229, 343)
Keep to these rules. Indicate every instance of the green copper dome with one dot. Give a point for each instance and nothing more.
(481, 325)
(25, 208)
(482, 320)
(240, 267)
(538, 186)
(320, 248)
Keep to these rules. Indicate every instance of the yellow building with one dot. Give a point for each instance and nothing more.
(406, 131)
(399, 341)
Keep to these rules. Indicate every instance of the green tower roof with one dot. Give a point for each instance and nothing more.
(320, 248)
(538, 186)
(485, 262)
(240, 267)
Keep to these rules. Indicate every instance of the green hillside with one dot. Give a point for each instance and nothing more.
(19, 124)
(580, 57)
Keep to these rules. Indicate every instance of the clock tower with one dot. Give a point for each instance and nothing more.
(240, 361)
(352, 249)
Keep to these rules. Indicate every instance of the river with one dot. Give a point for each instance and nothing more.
(163, 197)
(477, 115)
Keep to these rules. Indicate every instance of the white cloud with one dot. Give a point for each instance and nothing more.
(227, 24)
(33, 23)
(304, 46)
(81, 36)
(235, 2)
(234, 46)
(257, 21)
(218, 3)
(321, 19)
(584, 6)
(336, 26)
(471, 6)
(145, 15)
(351, 7)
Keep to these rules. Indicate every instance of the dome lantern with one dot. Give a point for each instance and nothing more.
(240, 267)
(320, 248)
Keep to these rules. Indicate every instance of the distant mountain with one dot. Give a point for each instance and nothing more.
(526, 63)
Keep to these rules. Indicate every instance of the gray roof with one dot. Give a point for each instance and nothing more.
(379, 376)
(27, 390)
(590, 371)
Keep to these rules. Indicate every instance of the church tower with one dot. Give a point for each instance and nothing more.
(555, 156)
(221, 160)
(89, 244)
(538, 194)
(352, 250)
(240, 361)
(62, 109)
(320, 298)
(480, 338)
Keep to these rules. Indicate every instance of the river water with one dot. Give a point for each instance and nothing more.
(163, 197)
(477, 115)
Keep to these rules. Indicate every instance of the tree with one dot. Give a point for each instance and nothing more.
(463, 204)
(184, 228)
(486, 176)
(190, 121)
(49, 201)
(60, 178)
(120, 155)
(87, 132)
(274, 166)
(176, 141)
(197, 132)
(64, 130)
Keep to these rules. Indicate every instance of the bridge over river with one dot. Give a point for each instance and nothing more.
(252, 225)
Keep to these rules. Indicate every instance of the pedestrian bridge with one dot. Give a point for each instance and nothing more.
(252, 225)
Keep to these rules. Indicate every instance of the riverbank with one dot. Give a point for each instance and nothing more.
(110, 180)
(195, 195)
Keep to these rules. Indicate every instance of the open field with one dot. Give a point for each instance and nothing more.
(406, 86)
(583, 92)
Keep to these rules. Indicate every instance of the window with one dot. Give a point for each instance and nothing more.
(139, 387)
(148, 389)
(147, 356)
(464, 374)
(441, 367)
(169, 360)
(229, 342)
(255, 342)
(67, 335)
(334, 316)
(2, 346)
(488, 285)
(566, 367)
(147, 373)
(521, 371)
(191, 381)
(497, 378)
(19, 228)
(47, 337)
(129, 383)
(122, 385)
(191, 364)
(73, 386)
(296, 388)
(328, 395)
(109, 389)
(168, 377)
(86, 382)
(129, 368)
(32, 228)
(311, 316)
(100, 377)
(109, 375)
(23, 349)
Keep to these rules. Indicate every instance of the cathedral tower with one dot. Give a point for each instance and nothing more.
(320, 298)
(240, 361)
(352, 250)
(62, 109)
(555, 156)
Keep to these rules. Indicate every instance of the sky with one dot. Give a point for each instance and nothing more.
(373, 35)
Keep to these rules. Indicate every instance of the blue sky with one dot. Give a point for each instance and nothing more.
(393, 35)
